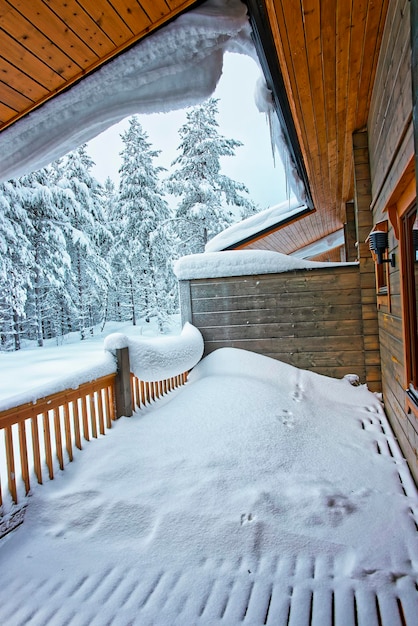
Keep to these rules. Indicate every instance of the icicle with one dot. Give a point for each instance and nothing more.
(264, 103)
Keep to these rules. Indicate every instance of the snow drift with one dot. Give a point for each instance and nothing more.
(159, 358)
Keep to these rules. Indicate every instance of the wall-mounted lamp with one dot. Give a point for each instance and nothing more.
(378, 242)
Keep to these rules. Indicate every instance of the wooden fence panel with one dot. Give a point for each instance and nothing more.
(308, 318)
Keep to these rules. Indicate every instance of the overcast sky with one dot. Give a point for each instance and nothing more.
(238, 119)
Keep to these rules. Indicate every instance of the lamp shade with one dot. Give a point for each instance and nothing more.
(378, 242)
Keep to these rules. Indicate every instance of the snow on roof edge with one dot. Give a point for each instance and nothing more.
(255, 224)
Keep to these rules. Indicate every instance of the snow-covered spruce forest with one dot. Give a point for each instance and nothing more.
(75, 253)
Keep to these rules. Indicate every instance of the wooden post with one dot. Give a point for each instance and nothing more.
(123, 397)
(350, 233)
(364, 224)
(185, 302)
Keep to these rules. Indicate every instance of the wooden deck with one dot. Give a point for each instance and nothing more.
(283, 589)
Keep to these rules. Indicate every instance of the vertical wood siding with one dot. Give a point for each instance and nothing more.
(391, 144)
(307, 318)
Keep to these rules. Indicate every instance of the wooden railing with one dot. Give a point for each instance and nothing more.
(36, 434)
(40, 437)
(143, 393)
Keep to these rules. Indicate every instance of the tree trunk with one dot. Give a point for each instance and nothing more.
(16, 330)
(38, 314)
(131, 285)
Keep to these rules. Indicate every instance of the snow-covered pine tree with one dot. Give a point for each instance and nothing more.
(90, 275)
(142, 245)
(16, 259)
(206, 195)
(51, 260)
(110, 208)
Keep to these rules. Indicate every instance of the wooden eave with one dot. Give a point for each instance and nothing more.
(48, 45)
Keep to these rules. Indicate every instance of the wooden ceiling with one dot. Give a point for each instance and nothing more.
(327, 52)
(47, 45)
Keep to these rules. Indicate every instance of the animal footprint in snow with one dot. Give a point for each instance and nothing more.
(298, 395)
(287, 419)
(338, 506)
(246, 518)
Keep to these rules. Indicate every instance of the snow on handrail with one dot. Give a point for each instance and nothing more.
(160, 358)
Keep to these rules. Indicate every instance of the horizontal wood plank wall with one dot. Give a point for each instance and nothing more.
(307, 318)
(391, 145)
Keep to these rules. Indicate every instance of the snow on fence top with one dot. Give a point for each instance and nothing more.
(241, 263)
(34, 391)
(158, 358)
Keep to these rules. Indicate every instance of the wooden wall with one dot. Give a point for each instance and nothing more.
(390, 132)
(309, 318)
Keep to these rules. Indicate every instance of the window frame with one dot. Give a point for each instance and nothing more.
(410, 312)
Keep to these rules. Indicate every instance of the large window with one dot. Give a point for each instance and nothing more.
(410, 297)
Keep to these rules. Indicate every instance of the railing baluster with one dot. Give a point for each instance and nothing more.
(99, 399)
(47, 443)
(24, 456)
(142, 386)
(132, 385)
(58, 437)
(76, 423)
(92, 411)
(108, 404)
(84, 418)
(67, 425)
(138, 392)
(36, 449)
(10, 459)
(112, 413)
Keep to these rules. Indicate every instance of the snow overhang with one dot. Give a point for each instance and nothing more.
(176, 66)
(257, 226)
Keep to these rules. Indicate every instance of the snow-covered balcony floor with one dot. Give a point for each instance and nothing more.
(257, 494)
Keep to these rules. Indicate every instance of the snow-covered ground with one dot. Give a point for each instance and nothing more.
(257, 494)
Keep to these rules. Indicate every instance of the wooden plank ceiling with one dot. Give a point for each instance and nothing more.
(47, 45)
(327, 51)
